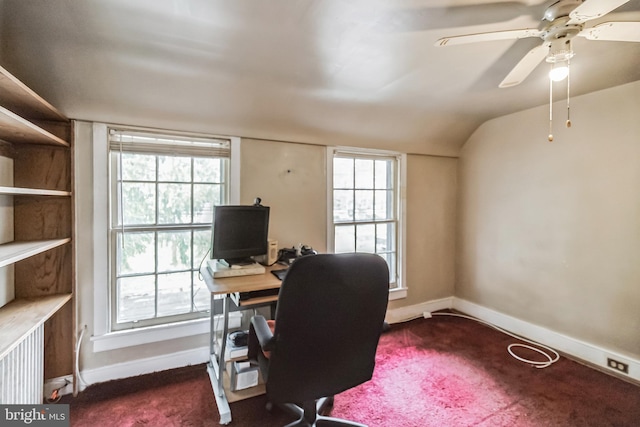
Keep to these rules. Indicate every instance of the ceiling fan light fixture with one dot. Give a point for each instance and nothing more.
(559, 72)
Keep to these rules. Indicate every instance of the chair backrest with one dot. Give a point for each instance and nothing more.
(329, 317)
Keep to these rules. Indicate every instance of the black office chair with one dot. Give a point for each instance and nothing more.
(328, 321)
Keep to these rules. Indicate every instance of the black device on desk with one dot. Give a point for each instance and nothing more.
(280, 273)
(287, 255)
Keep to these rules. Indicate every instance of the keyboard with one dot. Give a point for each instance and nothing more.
(280, 273)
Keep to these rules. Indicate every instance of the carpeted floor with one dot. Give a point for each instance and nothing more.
(442, 371)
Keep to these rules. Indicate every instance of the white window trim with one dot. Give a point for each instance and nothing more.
(103, 339)
(401, 290)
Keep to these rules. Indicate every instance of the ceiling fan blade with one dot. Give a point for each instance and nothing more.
(592, 9)
(614, 31)
(484, 37)
(526, 65)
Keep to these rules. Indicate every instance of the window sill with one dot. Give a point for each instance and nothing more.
(397, 293)
(152, 334)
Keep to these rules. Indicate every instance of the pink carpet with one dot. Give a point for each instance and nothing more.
(438, 372)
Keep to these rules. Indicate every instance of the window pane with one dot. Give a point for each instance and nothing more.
(174, 293)
(364, 205)
(218, 197)
(384, 204)
(345, 238)
(174, 203)
(172, 168)
(203, 203)
(207, 170)
(201, 245)
(384, 174)
(343, 205)
(364, 173)
(385, 237)
(137, 255)
(342, 173)
(138, 203)
(391, 263)
(366, 238)
(136, 298)
(201, 295)
(138, 167)
(174, 250)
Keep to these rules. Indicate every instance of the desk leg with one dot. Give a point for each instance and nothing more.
(221, 399)
(212, 327)
(223, 344)
(215, 367)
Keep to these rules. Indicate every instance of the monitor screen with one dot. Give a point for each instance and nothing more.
(239, 232)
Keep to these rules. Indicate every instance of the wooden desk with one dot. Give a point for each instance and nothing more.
(230, 287)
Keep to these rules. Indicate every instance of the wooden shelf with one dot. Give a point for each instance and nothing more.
(236, 396)
(16, 251)
(22, 316)
(14, 128)
(19, 191)
(18, 98)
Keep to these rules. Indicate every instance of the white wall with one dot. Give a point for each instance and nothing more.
(291, 179)
(549, 233)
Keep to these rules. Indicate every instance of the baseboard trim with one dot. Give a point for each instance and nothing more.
(581, 351)
(415, 311)
(144, 366)
(589, 354)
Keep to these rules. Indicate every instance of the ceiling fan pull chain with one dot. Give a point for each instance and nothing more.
(551, 108)
(569, 94)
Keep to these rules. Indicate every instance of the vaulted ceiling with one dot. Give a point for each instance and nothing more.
(361, 72)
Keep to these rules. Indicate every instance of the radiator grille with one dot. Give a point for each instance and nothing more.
(22, 371)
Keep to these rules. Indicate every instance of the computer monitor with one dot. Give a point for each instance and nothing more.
(238, 233)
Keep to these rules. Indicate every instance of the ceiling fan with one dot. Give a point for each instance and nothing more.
(565, 19)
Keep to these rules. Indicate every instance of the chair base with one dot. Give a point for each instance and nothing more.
(309, 415)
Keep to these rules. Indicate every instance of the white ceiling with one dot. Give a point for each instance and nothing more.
(363, 73)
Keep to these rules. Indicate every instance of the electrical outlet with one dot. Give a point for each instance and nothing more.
(618, 366)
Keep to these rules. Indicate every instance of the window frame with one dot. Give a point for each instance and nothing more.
(104, 338)
(399, 290)
(158, 144)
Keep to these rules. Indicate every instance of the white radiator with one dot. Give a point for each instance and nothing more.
(22, 371)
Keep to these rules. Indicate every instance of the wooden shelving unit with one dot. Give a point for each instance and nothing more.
(36, 140)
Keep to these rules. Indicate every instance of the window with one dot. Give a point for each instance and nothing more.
(162, 192)
(366, 205)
